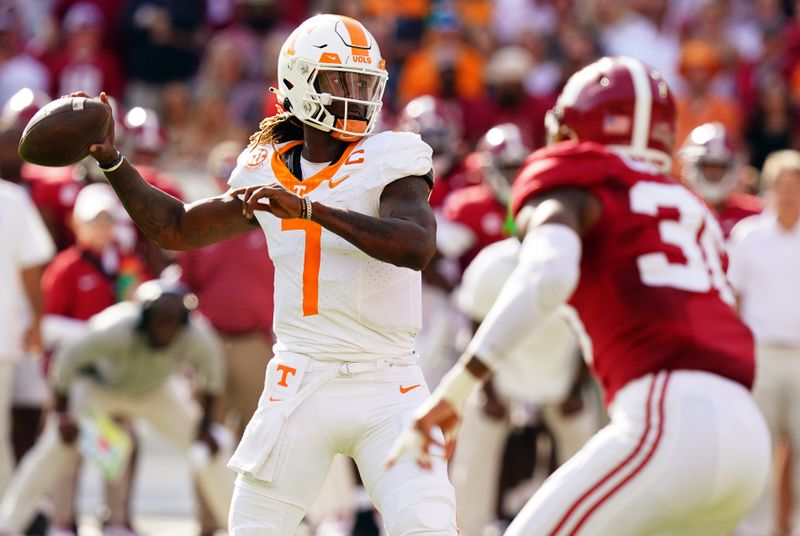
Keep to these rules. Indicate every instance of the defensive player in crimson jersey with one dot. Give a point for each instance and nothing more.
(474, 216)
(638, 256)
(711, 165)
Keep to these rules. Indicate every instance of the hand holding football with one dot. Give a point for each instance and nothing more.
(62, 132)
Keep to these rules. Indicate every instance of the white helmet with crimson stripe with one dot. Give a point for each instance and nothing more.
(331, 76)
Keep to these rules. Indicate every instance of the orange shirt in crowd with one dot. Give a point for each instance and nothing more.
(692, 114)
(421, 74)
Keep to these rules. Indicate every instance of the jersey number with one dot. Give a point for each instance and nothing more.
(313, 248)
(697, 234)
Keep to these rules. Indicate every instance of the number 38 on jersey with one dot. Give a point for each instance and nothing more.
(695, 232)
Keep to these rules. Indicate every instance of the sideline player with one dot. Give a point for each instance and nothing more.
(638, 255)
(711, 165)
(348, 227)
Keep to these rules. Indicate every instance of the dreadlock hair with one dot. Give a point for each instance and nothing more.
(279, 128)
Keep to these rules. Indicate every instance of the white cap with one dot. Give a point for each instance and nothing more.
(82, 14)
(94, 199)
(509, 64)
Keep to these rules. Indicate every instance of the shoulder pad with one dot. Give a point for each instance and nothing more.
(402, 154)
(566, 164)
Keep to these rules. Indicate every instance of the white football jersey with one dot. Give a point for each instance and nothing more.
(542, 367)
(333, 301)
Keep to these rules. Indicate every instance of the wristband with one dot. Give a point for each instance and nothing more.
(113, 166)
(456, 386)
(305, 213)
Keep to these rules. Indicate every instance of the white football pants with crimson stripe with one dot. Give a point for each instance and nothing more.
(360, 416)
(687, 453)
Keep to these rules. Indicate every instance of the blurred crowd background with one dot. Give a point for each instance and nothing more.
(204, 67)
(475, 78)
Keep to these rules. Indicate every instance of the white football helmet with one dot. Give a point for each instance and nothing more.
(710, 162)
(331, 76)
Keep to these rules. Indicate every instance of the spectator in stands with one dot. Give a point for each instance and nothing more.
(233, 281)
(699, 65)
(506, 100)
(224, 71)
(772, 126)
(640, 30)
(445, 66)
(82, 63)
(163, 44)
(764, 268)
(18, 69)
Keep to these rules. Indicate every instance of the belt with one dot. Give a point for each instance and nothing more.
(348, 368)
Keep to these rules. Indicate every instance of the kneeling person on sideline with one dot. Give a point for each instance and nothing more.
(135, 351)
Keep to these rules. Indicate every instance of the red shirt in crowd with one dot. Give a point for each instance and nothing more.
(233, 281)
(53, 191)
(77, 286)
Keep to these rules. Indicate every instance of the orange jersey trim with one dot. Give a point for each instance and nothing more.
(306, 186)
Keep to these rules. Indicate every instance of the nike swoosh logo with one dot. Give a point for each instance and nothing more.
(334, 184)
(275, 399)
(404, 390)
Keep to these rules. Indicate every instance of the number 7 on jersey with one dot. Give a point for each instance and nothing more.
(313, 249)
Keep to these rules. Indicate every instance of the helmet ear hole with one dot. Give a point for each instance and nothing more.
(289, 85)
(287, 105)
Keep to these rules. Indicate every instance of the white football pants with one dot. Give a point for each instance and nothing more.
(686, 453)
(359, 416)
(483, 438)
(169, 409)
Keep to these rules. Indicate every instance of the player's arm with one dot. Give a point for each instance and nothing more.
(162, 218)
(403, 233)
(546, 275)
(31, 282)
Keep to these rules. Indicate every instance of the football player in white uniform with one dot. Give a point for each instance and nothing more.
(349, 227)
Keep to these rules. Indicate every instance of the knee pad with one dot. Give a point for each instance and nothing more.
(422, 507)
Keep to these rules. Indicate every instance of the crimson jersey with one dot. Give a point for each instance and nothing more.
(53, 191)
(76, 284)
(476, 208)
(652, 292)
(737, 207)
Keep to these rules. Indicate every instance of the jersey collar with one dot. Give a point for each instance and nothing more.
(305, 186)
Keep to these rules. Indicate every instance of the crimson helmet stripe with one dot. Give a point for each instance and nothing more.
(643, 109)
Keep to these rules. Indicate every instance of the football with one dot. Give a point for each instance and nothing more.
(62, 131)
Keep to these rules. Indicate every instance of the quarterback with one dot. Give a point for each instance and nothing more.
(348, 227)
(605, 228)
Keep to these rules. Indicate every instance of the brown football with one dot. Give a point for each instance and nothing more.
(62, 131)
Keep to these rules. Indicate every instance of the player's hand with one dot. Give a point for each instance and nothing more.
(104, 152)
(204, 435)
(280, 201)
(67, 428)
(33, 339)
(417, 439)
